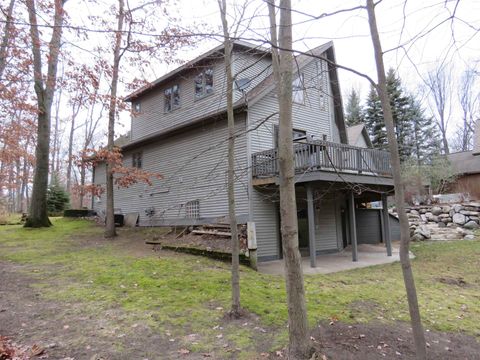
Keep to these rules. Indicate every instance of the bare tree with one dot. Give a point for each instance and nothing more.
(44, 89)
(235, 310)
(438, 83)
(418, 334)
(282, 57)
(112, 110)
(6, 37)
(470, 103)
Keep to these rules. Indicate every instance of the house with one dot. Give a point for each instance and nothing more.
(466, 166)
(179, 129)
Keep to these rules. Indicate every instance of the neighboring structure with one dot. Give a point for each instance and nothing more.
(179, 130)
(358, 136)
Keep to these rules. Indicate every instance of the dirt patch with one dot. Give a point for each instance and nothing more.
(453, 281)
(385, 341)
(69, 330)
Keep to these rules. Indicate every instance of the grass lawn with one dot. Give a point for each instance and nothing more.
(180, 295)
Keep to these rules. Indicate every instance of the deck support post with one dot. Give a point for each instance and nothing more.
(353, 225)
(311, 225)
(386, 225)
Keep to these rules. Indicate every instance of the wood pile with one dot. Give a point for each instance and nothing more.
(223, 231)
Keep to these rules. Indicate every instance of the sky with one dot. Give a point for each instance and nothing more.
(416, 36)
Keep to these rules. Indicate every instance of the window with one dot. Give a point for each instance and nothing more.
(192, 209)
(298, 90)
(137, 107)
(172, 98)
(204, 83)
(297, 135)
(137, 160)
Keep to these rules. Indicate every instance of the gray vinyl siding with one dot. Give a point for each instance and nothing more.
(152, 117)
(265, 215)
(326, 225)
(314, 116)
(193, 165)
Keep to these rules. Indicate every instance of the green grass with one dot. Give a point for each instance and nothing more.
(181, 294)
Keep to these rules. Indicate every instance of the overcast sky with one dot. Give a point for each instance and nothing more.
(422, 27)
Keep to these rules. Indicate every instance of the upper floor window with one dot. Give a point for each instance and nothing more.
(172, 98)
(298, 90)
(137, 106)
(204, 83)
(137, 160)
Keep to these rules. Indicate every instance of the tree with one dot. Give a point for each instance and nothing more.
(470, 103)
(438, 83)
(44, 89)
(282, 62)
(57, 197)
(418, 333)
(425, 137)
(353, 109)
(399, 104)
(373, 115)
(235, 310)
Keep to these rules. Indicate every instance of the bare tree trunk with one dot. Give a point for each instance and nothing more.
(70, 154)
(235, 310)
(418, 334)
(18, 185)
(110, 217)
(44, 90)
(54, 167)
(299, 346)
(6, 37)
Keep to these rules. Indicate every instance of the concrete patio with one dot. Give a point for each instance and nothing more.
(368, 255)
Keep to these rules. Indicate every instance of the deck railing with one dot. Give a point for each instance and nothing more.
(322, 155)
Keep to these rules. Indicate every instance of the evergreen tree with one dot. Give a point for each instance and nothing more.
(426, 138)
(374, 123)
(399, 103)
(57, 197)
(353, 109)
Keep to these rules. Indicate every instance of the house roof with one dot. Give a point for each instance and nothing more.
(355, 131)
(476, 139)
(192, 64)
(253, 95)
(464, 163)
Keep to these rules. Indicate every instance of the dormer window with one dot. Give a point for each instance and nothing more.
(298, 90)
(172, 98)
(204, 83)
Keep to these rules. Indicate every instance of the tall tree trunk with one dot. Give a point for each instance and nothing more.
(38, 216)
(18, 185)
(70, 154)
(6, 37)
(110, 217)
(418, 334)
(235, 310)
(299, 346)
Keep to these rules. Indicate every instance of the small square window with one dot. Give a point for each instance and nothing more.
(137, 160)
(192, 209)
(137, 106)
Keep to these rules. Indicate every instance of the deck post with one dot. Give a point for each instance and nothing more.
(311, 225)
(353, 226)
(386, 225)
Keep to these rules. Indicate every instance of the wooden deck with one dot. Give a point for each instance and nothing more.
(324, 156)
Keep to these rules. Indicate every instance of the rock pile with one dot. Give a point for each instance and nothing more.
(457, 221)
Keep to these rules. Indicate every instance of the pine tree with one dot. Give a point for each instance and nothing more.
(399, 103)
(426, 138)
(353, 109)
(57, 197)
(374, 123)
